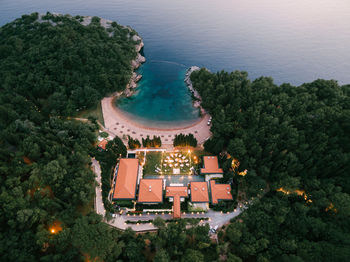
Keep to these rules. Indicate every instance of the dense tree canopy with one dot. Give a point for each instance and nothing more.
(47, 70)
(294, 143)
(62, 66)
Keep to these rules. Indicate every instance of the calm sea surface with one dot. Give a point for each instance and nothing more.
(292, 41)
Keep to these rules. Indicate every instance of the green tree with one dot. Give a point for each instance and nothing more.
(161, 256)
(193, 255)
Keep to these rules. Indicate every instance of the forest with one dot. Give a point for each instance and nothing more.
(61, 66)
(293, 142)
(47, 186)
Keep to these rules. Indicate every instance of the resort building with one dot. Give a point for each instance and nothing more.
(219, 192)
(150, 191)
(211, 168)
(126, 179)
(175, 194)
(129, 185)
(199, 192)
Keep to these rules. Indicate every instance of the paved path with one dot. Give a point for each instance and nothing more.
(100, 209)
(215, 218)
(119, 124)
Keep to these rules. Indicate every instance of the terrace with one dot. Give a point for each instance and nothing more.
(177, 167)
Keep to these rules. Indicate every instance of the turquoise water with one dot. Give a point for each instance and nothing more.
(292, 41)
(161, 96)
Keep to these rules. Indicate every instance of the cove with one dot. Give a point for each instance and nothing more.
(291, 41)
(162, 98)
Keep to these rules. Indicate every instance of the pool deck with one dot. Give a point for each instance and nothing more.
(119, 124)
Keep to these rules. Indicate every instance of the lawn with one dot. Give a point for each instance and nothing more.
(174, 163)
(94, 112)
(153, 160)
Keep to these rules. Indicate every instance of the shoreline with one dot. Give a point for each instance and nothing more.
(128, 117)
(196, 98)
(120, 124)
(135, 63)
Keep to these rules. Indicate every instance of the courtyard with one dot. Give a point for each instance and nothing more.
(177, 167)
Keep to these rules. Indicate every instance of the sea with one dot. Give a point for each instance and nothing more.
(291, 41)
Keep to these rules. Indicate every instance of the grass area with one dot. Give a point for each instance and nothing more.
(179, 163)
(94, 112)
(153, 160)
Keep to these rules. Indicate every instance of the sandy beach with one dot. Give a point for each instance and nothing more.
(119, 124)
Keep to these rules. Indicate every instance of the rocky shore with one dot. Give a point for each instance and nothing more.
(197, 98)
(136, 63)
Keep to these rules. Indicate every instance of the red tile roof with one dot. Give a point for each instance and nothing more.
(199, 192)
(220, 192)
(176, 192)
(150, 191)
(103, 144)
(211, 165)
(125, 186)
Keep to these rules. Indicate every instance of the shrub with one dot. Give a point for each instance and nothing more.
(155, 142)
(133, 143)
(185, 140)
